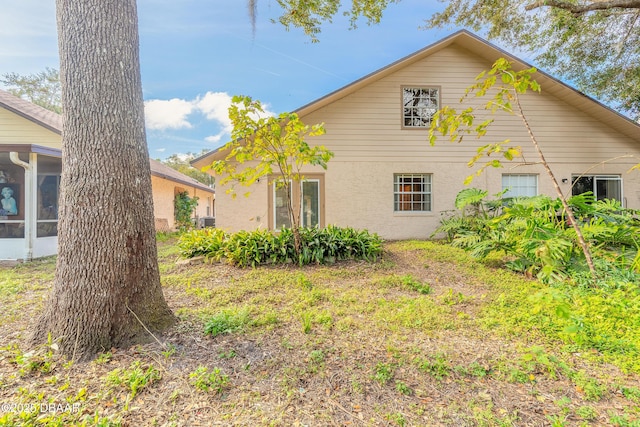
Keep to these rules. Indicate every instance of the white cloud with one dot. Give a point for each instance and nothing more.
(162, 150)
(215, 106)
(172, 114)
(215, 138)
(175, 113)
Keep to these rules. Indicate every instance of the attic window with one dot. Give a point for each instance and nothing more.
(419, 106)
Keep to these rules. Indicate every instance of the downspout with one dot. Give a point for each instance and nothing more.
(28, 184)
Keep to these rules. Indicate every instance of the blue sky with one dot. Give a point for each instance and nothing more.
(196, 54)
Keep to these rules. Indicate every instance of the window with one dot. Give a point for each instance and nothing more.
(520, 185)
(281, 209)
(419, 106)
(602, 186)
(310, 203)
(307, 199)
(12, 198)
(412, 192)
(48, 188)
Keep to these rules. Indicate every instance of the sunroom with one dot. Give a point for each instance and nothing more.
(29, 187)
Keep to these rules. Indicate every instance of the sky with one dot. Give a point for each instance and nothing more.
(196, 54)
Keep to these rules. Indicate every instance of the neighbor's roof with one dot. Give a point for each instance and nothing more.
(53, 122)
(30, 111)
(163, 171)
(491, 53)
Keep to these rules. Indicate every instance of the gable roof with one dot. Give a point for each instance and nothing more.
(163, 171)
(491, 53)
(53, 121)
(32, 112)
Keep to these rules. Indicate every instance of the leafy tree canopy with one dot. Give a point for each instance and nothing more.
(594, 43)
(276, 144)
(181, 163)
(310, 15)
(41, 88)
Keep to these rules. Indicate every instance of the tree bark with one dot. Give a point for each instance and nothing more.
(106, 290)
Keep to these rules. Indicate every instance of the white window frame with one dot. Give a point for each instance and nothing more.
(597, 178)
(516, 190)
(275, 207)
(319, 199)
(427, 193)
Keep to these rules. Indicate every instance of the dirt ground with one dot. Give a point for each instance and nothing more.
(348, 371)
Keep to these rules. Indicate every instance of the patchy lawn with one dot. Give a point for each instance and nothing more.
(423, 337)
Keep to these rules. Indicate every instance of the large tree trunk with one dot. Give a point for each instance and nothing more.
(107, 283)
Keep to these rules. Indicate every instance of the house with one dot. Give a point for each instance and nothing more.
(387, 178)
(30, 169)
(166, 183)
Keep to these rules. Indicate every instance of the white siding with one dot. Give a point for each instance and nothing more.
(18, 130)
(364, 131)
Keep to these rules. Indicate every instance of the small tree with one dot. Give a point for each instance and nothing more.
(278, 146)
(507, 98)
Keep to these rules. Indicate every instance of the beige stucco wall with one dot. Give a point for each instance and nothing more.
(164, 192)
(364, 131)
(247, 211)
(18, 130)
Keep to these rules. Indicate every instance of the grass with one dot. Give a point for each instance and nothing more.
(424, 336)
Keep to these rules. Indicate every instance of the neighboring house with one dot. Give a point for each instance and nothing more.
(30, 167)
(387, 178)
(167, 183)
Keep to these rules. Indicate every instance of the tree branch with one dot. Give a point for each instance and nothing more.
(578, 9)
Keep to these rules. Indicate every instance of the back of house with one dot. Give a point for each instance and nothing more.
(387, 178)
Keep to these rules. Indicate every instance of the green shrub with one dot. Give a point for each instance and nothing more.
(534, 235)
(252, 248)
(207, 241)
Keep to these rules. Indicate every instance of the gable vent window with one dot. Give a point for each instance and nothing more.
(419, 106)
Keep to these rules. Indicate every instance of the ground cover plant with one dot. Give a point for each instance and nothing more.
(424, 336)
(251, 248)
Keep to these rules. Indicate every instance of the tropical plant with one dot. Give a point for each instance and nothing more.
(252, 248)
(533, 233)
(506, 98)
